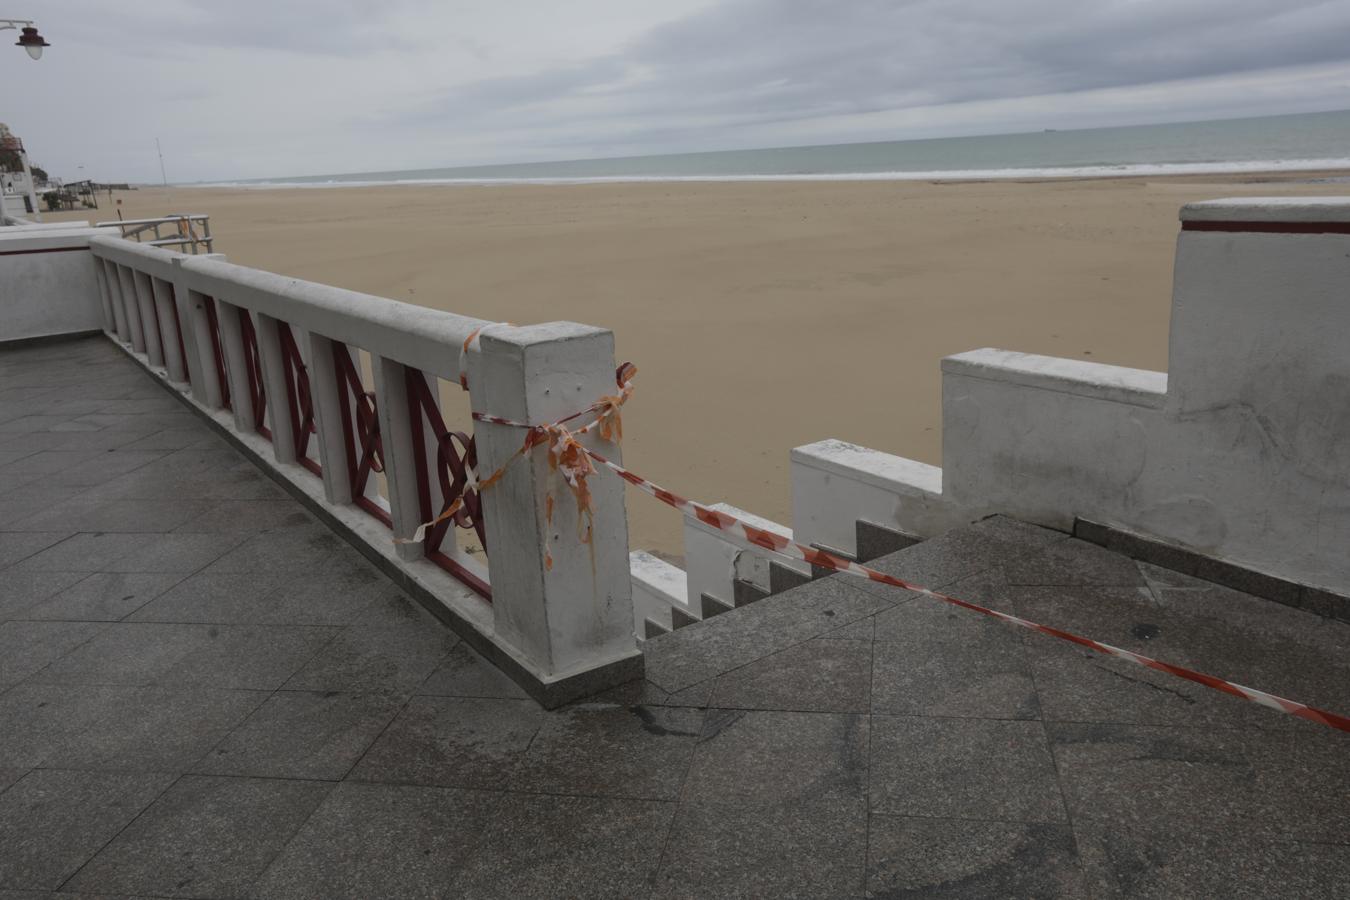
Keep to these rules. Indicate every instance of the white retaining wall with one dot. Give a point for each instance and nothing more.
(47, 281)
(1240, 452)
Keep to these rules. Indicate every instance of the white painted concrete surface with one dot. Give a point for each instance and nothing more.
(658, 587)
(1240, 452)
(714, 560)
(47, 283)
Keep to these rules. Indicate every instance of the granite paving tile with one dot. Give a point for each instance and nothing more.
(153, 729)
(252, 657)
(748, 760)
(934, 675)
(293, 550)
(964, 768)
(105, 467)
(819, 675)
(1073, 562)
(302, 734)
(82, 514)
(465, 673)
(368, 840)
(174, 438)
(131, 653)
(204, 837)
(21, 591)
(691, 655)
(131, 553)
(813, 849)
(49, 462)
(607, 750)
(224, 598)
(1141, 777)
(954, 858)
(453, 742)
(641, 692)
(249, 515)
(52, 821)
(102, 597)
(38, 719)
(1125, 863)
(16, 546)
(9, 775)
(548, 847)
(26, 647)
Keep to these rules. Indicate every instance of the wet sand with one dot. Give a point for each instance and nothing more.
(761, 315)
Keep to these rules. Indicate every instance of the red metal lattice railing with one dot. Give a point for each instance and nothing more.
(456, 458)
(360, 432)
(299, 399)
(217, 352)
(253, 369)
(178, 336)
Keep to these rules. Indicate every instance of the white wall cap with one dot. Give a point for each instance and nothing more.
(659, 576)
(20, 239)
(1269, 209)
(1137, 387)
(749, 518)
(894, 474)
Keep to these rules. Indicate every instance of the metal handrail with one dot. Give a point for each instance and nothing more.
(187, 233)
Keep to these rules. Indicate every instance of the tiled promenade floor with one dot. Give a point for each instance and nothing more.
(204, 693)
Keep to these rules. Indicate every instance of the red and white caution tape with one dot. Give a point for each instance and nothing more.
(558, 437)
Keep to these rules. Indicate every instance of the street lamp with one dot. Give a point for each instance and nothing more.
(29, 39)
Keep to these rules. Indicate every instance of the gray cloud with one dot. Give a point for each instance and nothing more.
(266, 87)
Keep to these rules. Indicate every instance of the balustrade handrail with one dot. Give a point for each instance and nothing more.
(412, 335)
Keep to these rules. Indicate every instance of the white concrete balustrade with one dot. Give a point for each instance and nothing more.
(1240, 452)
(339, 395)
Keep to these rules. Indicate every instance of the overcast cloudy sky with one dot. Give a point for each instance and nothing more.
(257, 88)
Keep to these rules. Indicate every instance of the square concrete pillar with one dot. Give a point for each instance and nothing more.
(573, 618)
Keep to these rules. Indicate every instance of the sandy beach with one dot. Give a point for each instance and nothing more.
(761, 315)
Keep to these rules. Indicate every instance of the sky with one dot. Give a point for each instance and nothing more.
(271, 88)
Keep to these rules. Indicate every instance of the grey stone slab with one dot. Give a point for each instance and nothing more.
(131, 553)
(1073, 562)
(816, 676)
(26, 647)
(82, 514)
(52, 821)
(173, 438)
(16, 546)
(9, 775)
(861, 630)
(927, 675)
(293, 550)
(641, 692)
(154, 729)
(680, 660)
(465, 673)
(748, 760)
(369, 840)
(250, 516)
(147, 422)
(453, 742)
(1125, 863)
(21, 591)
(548, 847)
(1149, 777)
(204, 837)
(964, 768)
(960, 553)
(603, 749)
(108, 466)
(46, 423)
(815, 849)
(951, 858)
(38, 719)
(49, 462)
(300, 734)
(102, 597)
(344, 591)
(874, 541)
(224, 598)
(249, 657)
(66, 440)
(379, 653)
(127, 653)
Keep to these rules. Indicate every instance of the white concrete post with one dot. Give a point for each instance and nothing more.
(145, 299)
(577, 613)
(133, 308)
(274, 386)
(400, 468)
(168, 323)
(328, 400)
(236, 365)
(115, 295)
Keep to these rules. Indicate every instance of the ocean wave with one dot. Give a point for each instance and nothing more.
(1122, 170)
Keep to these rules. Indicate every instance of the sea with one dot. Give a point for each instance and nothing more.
(1303, 142)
